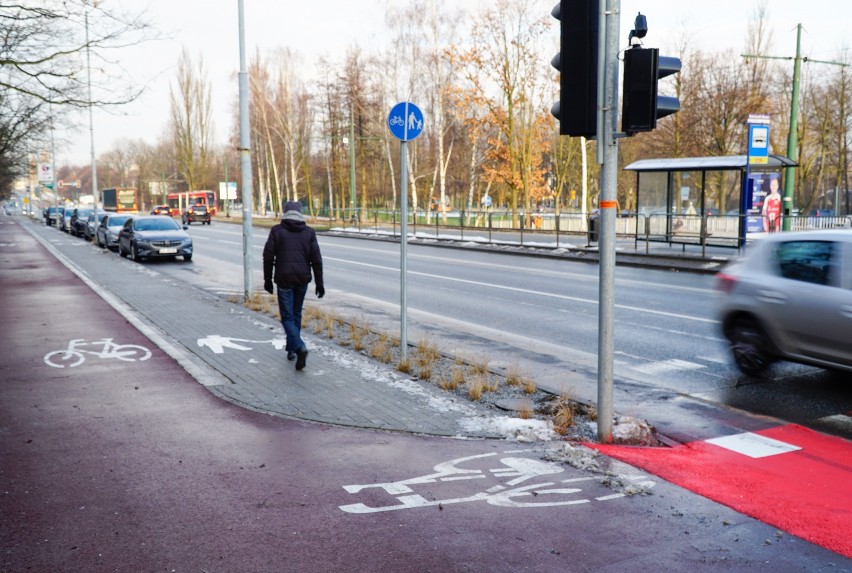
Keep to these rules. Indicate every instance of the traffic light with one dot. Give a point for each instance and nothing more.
(577, 62)
(641, 106)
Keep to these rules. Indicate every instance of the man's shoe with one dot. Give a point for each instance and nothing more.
(291, 356)
(301, 358)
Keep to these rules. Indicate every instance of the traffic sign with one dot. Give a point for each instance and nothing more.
(405, 121)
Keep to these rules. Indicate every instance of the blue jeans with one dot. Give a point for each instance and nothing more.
(290, 301)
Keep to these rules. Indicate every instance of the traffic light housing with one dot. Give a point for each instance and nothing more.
(641, 105)
(577, 62)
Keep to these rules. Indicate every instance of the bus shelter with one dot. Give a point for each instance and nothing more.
(706, 200)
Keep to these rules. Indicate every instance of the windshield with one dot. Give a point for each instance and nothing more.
(156, 224)
(117, 221)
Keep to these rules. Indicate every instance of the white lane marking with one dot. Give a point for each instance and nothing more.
(663, 366)
(528, 291)
(589, 277)
(753, 445)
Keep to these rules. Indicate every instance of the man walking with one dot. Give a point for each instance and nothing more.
(292, 251)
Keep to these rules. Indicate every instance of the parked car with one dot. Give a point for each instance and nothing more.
(790, 298)
(54, 214)
(154, 236)
(108, 228)
(77, 222)
(92, 225)
(161, 210)
(196, 214)
(65, 220)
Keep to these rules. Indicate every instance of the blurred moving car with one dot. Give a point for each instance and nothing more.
(161, 210)
(196, 214)
(153, 236)
(108, 229)
(77, 222)
(790, 298)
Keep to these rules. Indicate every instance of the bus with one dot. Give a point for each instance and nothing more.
(180, 202)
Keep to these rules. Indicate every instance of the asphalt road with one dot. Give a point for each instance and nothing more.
(129, 464)
(542, 314)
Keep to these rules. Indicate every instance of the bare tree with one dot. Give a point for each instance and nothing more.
(191, 123)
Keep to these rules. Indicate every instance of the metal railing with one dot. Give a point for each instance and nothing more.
(563, 229)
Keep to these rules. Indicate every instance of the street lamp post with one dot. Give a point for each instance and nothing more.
(95, 194)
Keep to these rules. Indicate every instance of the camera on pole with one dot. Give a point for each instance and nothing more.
(642, 106)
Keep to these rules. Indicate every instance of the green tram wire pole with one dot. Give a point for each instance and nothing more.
(793, 135)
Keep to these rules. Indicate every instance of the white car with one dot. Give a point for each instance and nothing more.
(790, 298)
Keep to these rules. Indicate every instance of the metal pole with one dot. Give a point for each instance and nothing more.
(793, 135)
(95, 192)
(608, 64)
(245, 161)
(352, 189)
(403, 250)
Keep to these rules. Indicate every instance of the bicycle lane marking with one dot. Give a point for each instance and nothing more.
(199, 371)
(789, 476)
(75, 355)
(555, 489)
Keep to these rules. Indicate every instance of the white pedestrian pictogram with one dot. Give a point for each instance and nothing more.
(218, 343)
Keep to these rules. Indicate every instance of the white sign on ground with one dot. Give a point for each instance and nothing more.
(511, 471)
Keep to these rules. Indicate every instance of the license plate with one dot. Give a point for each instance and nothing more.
(168, 251)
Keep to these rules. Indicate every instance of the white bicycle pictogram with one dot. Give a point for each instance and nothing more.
(396, 120)
(75, 354)
(553, 492)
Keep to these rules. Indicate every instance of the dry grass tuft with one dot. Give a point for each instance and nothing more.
(513, 375)
(457, 376)
(330, 322)
(381, 349)
(529, 386)
(563, 414)
(357, 333)
(525, 412)
(404, 365)
(254, 302)
(475, 388)
(480, 364)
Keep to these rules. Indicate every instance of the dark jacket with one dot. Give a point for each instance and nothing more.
(292, 251)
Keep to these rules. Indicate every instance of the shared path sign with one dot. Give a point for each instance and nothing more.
(405, 121)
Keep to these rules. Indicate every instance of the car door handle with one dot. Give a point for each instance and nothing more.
(771, 296)
(846, 310)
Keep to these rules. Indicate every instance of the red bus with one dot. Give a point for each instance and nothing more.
(179, 202)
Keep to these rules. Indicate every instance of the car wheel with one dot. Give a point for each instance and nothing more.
(100, 244)
(750, 348)
(134, 254)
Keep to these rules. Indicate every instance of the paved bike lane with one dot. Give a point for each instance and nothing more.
(133, 465)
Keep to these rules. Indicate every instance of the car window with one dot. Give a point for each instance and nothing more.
(807, 261)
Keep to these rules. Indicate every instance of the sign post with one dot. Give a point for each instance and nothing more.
(405, 122)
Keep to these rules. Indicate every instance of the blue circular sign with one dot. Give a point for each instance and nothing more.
(405, 121)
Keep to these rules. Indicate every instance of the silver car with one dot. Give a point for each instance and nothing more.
(790, 298)
(108, 229)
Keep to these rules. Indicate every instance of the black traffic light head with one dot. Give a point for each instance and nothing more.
(641, 105)
(577, 62)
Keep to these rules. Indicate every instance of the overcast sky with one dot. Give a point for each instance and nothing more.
(328, 27)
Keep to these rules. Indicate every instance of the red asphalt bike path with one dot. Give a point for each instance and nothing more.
(790, 477)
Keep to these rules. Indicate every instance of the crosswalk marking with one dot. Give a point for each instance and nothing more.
(753, 445)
